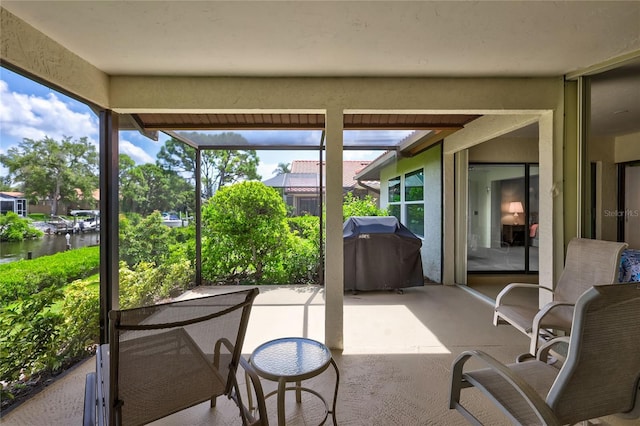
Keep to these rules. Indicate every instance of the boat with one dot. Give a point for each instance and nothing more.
(172, 220)
(86, 220)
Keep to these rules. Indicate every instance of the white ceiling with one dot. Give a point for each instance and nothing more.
(338, 38)
(354, 38)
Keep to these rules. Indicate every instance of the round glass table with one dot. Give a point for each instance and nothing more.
(292, 360)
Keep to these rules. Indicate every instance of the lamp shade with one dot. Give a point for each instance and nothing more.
(516, 207)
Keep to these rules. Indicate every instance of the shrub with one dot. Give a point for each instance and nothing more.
(29, 335)
(306, 227)
(302, 261)
(244, 233)
(16, 228)
(145, 240)
(366, 206)
(22, 278)
(147, 283)
(80, 329)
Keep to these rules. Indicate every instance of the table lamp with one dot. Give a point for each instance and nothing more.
(515, 207)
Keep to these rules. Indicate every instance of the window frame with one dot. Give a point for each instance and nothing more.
(403, 204)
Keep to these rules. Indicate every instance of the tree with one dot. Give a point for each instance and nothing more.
(58, 171)
(5, 183)
(148, 187)
(133, 186)
(282, 169)
(146, 240)
(219, 167)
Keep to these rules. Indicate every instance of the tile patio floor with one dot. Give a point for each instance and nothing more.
(395, 367)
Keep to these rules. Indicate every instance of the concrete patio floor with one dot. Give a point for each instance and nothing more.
(394, 369)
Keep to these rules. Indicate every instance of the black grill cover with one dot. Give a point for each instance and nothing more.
(380, 253)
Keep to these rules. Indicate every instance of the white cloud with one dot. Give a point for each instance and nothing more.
(28, 116)
(136, 153)
(266, 170)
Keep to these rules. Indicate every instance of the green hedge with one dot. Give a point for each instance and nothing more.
(24, 278)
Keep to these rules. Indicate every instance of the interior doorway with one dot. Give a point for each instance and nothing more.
(629, 213)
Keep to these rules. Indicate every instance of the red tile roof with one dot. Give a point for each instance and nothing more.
(349, 169)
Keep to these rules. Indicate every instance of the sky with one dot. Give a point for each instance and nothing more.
(31, 110)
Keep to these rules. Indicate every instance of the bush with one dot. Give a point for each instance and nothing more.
(29, 335)
(366, 206)
(23, 278)
(16, 228)
(306, 227)
(144, 240)
(302, 261)
(80, 330)
(245, 234)
(147, 283)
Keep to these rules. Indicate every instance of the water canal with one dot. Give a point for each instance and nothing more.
(47, 245)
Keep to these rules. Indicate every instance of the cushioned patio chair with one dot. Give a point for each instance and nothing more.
(599, 377)
(164, 358)
(588, 262)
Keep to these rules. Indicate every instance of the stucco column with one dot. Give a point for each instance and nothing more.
(448, 219)
(334, 261)
(461, 215)
(551, 230)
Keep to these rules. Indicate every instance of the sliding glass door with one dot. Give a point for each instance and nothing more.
(503, 218)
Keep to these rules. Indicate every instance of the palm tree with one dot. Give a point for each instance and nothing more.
(282, 169)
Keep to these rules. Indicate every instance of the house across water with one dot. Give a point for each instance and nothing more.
(13, 202)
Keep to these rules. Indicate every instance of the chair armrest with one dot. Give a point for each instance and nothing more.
(537, 404)
(248, 417)
(544, 349)
(254, 380)
(90, 401)
(535, 326)
(513, 287)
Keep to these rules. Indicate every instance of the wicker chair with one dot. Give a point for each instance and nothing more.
(588, 262)
(164, 358)
(600, 376)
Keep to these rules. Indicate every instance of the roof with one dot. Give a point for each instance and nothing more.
(305, 177)
(95, 194)
(349, 169)
(11, 194)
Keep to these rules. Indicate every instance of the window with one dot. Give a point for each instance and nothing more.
(308, 206)
(21, 208)
(406, 200)
(394, 190)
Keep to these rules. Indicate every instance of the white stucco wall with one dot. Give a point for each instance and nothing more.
(627, 148)
(25, 48)
(430, 162)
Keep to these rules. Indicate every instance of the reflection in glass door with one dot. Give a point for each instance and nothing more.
(533, 208)
(503, 218)
(630, 213)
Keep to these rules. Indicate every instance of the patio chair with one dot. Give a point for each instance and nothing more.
(164, 358)
(599, 377)
(588, 262)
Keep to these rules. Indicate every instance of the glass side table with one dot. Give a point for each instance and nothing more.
(294, 359)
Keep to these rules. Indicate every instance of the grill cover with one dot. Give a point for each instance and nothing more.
(380, 253)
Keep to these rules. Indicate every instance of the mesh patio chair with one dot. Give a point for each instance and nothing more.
(164, 358)
(600, 376)
(588, 262)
